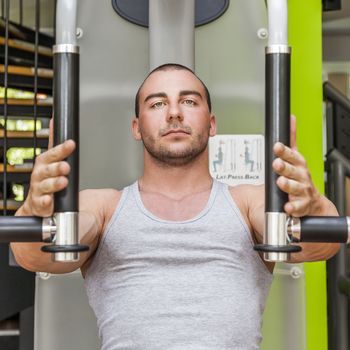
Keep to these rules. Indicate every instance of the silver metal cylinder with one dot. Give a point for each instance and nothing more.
(348, 222)
(278, 49)
(66, 18)
(276, 234)
(278, 22)
(294, 228)
(49, 229)
(171, 32)
(67, 48)
(66, 234)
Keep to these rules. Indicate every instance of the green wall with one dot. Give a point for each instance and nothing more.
(305, 37)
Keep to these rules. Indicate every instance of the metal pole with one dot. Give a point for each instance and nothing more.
(336, 267)
(171, 32)
(66, 126)
(4, 193)
(277, 129)
(63, 228)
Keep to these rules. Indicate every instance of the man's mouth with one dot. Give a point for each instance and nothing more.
(176, 131)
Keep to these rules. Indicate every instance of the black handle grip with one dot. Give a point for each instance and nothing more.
(66, 123)
(327, 229)
(20, 229)
(277, 123)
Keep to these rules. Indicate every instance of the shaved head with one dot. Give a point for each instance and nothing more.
(167, 67)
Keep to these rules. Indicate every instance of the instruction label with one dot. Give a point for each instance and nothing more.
(237, 159)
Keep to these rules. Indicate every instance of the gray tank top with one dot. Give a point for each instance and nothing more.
(190, 285)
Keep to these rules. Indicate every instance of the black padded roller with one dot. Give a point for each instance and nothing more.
(277, 123)
(327, 229)
(66, 123)
(20, 229)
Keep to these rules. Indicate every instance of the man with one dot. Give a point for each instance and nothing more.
(171, 262)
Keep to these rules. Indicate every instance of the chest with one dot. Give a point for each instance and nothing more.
(171, 209)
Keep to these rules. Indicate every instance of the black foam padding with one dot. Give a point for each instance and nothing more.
(20, 229)
(327, 229)
(277, 123)
(66, 124)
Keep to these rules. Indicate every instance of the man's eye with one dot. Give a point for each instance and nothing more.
(189, 102)
(158, 104)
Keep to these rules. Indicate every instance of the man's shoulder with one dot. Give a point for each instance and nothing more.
(248, 197)
(101, 202)
(100, 194)
(247, 192)
(103, 199)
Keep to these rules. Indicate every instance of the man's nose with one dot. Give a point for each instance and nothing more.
(174, 113)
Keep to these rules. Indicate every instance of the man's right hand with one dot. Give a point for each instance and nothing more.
(48, 176)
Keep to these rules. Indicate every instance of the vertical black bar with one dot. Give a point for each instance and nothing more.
(21, 12)
(26, 328)
(5, 107)
(277, 119)
(54, 19)
(37, 28)
(3, 8)
(66, 123)
(336, 267)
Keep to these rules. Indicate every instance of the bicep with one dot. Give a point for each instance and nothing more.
(250, 201)
(256, 211)
(91, 220)
(96, 210)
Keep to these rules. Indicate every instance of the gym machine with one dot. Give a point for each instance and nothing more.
(280, 229)
(281, 232)
(62, 228)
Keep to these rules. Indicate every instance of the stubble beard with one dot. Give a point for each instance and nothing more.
(166, 156)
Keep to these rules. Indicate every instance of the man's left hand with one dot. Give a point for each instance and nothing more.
(295, 178)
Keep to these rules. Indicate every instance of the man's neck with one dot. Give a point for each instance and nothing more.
(176, 181)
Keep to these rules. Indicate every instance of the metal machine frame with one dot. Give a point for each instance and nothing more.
(281, 232)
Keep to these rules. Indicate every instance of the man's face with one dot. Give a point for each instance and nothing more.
(174, 120)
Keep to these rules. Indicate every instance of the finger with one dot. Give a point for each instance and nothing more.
(293, 132)
(291, 187)
(51, 170)
(57, 153)
(287, 154)
(46, 201)
(297, 207)
(42, 205)
(51, 185)
(51, 134)
(290, 171)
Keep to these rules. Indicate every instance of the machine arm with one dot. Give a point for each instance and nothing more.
(62, 228)
(280, 229)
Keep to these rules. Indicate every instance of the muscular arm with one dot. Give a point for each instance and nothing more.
(49, 176)
(310, 251)
(91, 223)
(303, 200)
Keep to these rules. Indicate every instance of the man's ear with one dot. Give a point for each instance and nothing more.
(135, 128)
(212, 130)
